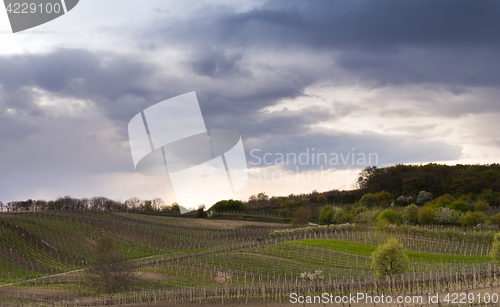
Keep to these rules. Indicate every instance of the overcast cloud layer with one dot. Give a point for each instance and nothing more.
(409, 81)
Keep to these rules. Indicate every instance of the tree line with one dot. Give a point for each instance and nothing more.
(93, 204)
(438, 179)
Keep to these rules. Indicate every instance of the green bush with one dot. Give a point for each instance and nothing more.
(426, 215)
(366, 217)
(473, 218)
(495, 250)
(326, 214)
(443, 201)
(200, 213)
(346, 218)
(390, 216)
(368, 200)
(230, 204)
(357, 208)
(410, 214)
(494, 220)
(347, 208)
(383, 199)
(458, 205)
(321, 199)
(482, 205)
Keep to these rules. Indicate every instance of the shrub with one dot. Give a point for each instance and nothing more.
(342, 217)
(482, 205)
(347, 218)
(175, 207)
(458, 205)
(230, 204)
(443, 201)
(200, 213)
(368, 200)
(411, 214)
(326, 215)
(443, 215)
(301, 216)
(455, 217)
(424, 197)
(390, 216)
(495, 220)
(495, 250)
(447, 216)
(347, 208)
(321, 199)
(383, 199)
(473, 218)
(390, 259)
(366, 217)
(285, 213)
(402, 200)
(357, 208)
(426, 215)
(382, 224)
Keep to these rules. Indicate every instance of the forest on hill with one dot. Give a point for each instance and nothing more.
(438, 179)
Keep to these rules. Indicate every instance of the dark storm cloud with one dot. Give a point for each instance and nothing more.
(113, 82)
(381, 23)
(451, 66)
(387, 41)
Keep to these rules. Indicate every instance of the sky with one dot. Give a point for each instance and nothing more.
(394, 81)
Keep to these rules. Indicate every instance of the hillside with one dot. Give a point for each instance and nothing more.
(45, 258)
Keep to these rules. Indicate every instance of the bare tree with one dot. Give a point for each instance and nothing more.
(158, 203)
(111, 269)
(133, 203)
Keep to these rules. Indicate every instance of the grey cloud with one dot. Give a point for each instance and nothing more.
(415, 129)
(113, 82)
(212, 62)
(379, 25)
(456, 67)
(376, 23)
(385, 149)
(378, 42)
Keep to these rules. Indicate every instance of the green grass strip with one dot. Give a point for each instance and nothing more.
(367, 250)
